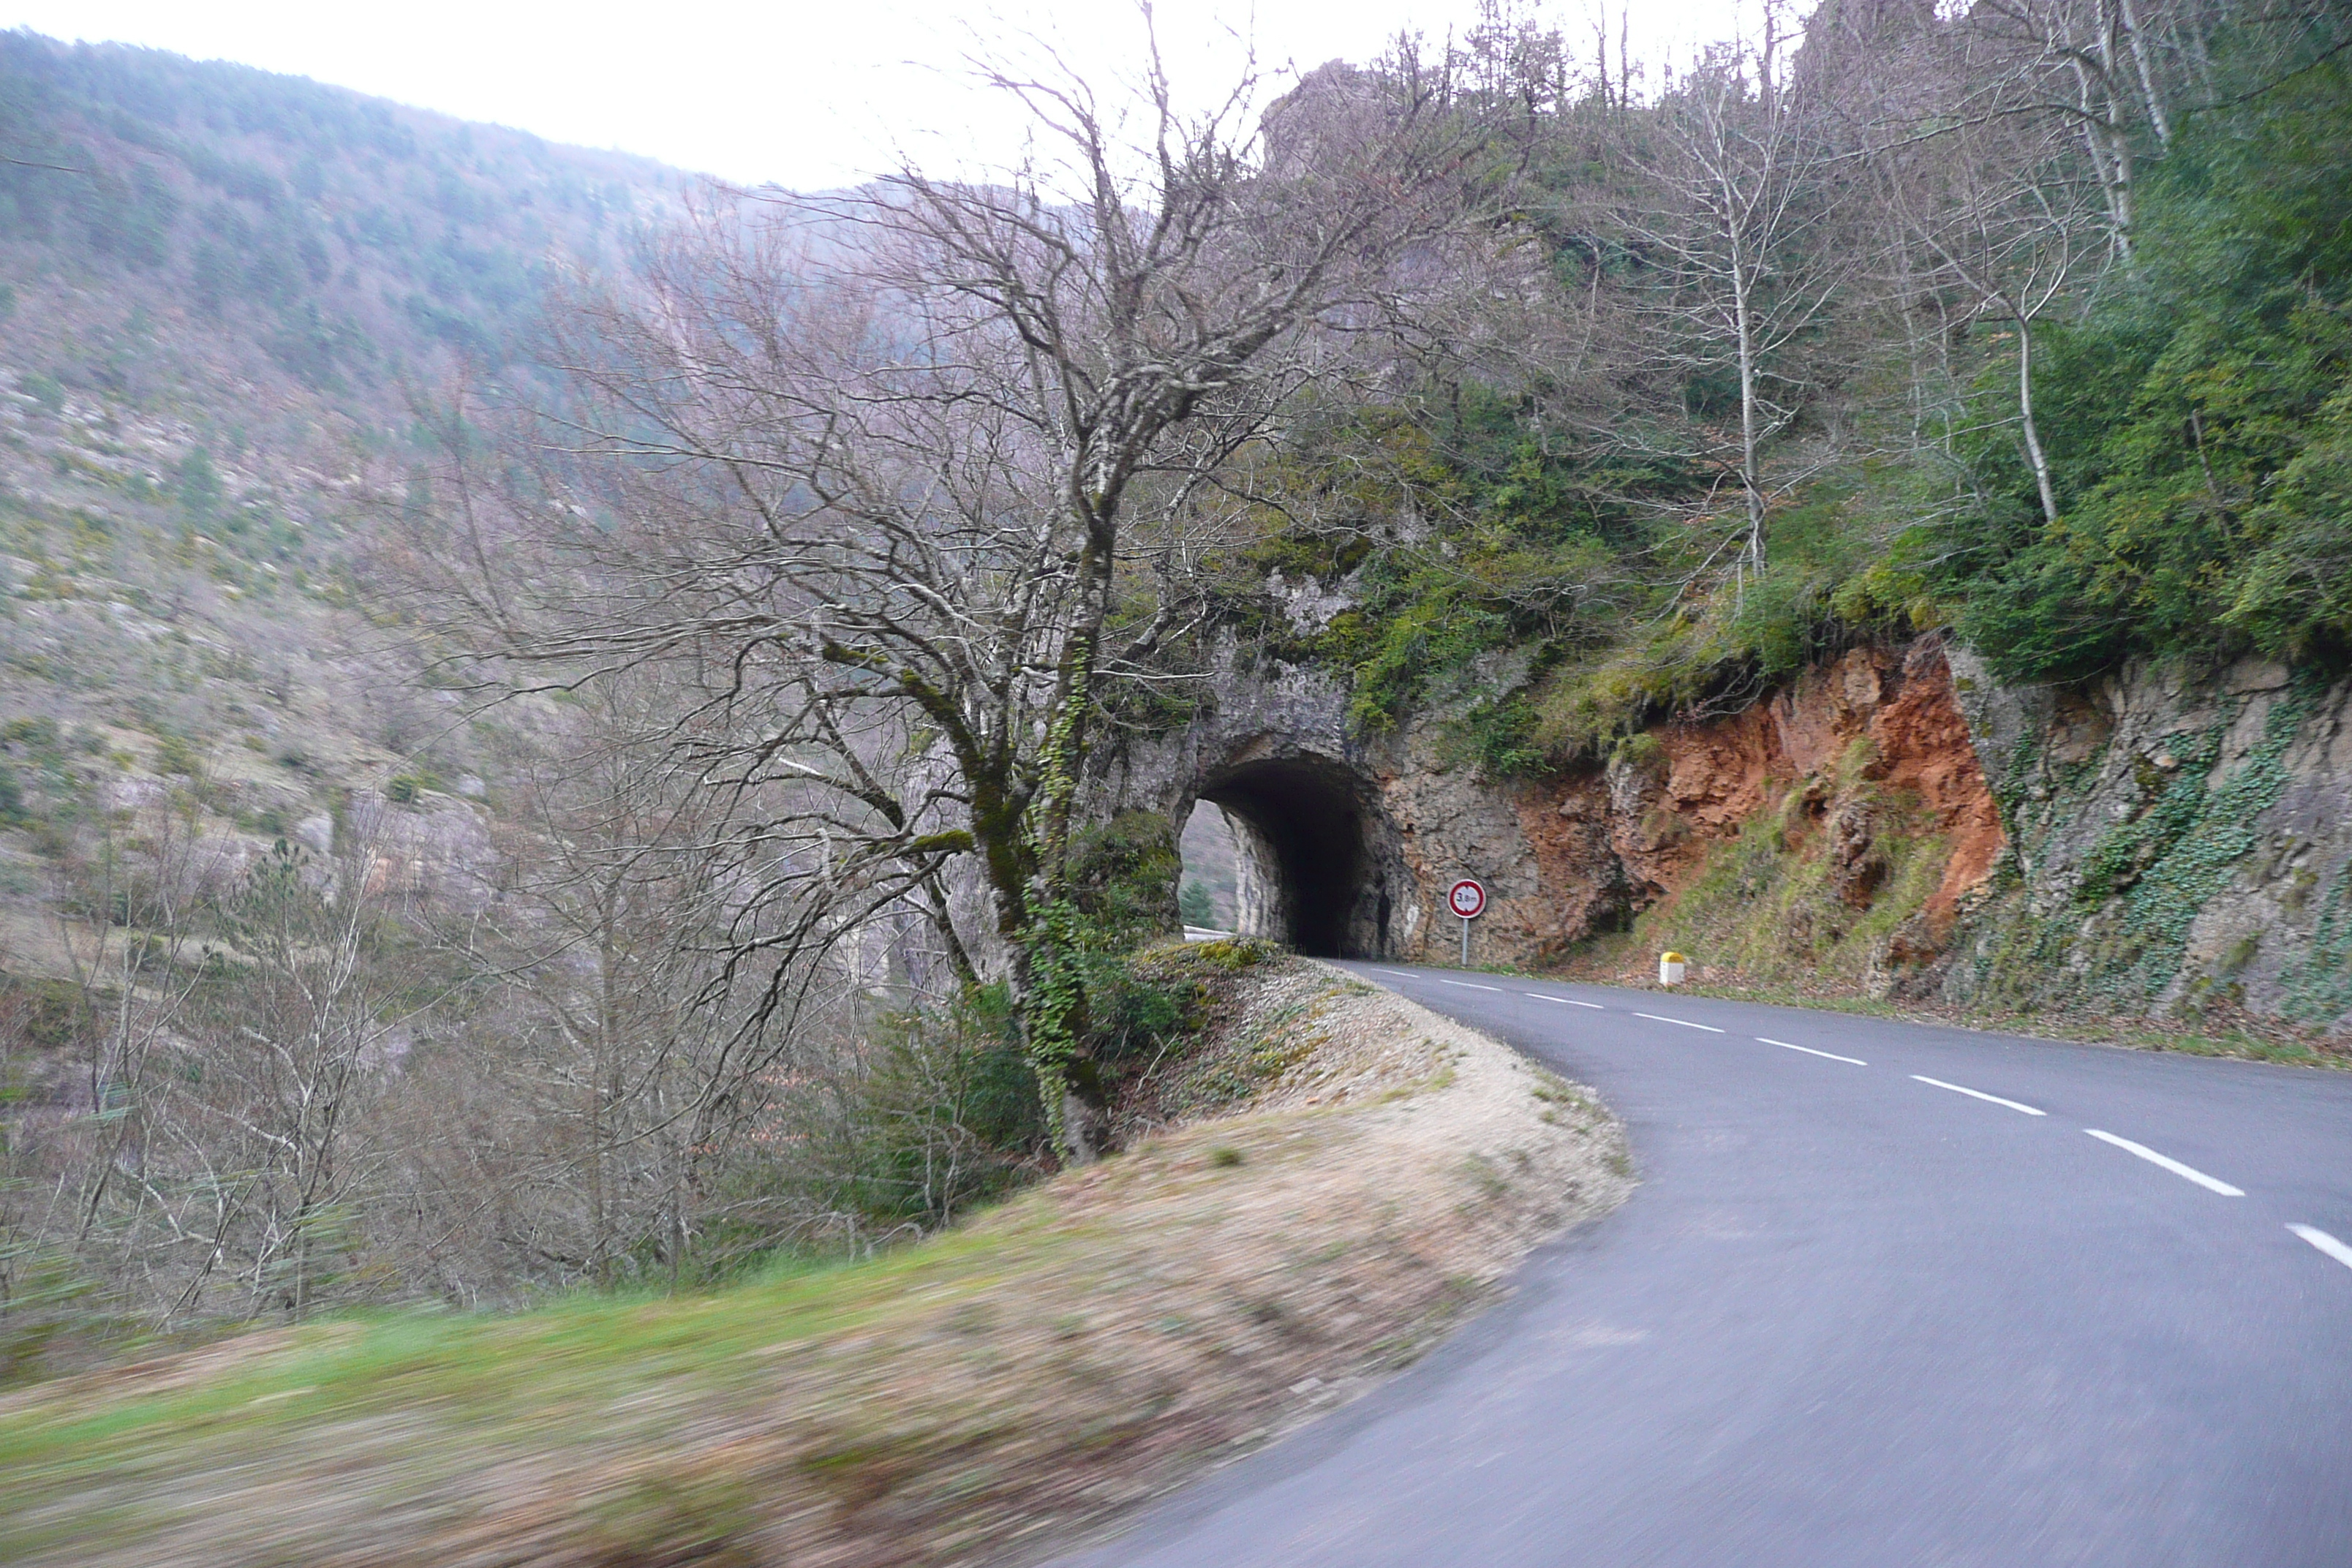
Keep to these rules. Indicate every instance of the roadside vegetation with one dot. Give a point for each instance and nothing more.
(1316, 1187)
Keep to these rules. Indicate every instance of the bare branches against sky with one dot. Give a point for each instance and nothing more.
(801, 95)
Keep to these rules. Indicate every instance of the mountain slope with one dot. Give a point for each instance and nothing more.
(219, 290)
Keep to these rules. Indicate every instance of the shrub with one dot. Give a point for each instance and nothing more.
(1124, 875)
(35, 734)
(407, 789)
(1230, 953)
(2197, 419)
(175, 755)
(46, 391)
(928, 1113)
(1135, 1008)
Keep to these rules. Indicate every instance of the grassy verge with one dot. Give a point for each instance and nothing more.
(1068, 1353)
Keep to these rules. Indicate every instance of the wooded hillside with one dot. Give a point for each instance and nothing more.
(2026, 322)
(558, 734)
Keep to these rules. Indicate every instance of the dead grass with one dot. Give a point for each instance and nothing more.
(1068, 1355)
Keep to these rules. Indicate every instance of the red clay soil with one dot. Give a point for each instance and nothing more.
(1607, 843)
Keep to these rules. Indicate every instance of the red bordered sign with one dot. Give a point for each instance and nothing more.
(1467, 899)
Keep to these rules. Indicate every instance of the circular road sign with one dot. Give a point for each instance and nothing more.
(1467, 899)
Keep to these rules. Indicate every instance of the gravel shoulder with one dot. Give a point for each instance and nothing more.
(1358, 1174)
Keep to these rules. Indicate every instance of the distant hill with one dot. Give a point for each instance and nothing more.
(218, 289)
(329, 239)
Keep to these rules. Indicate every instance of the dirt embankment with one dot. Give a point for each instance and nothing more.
(1864, 767)
(967, 1400)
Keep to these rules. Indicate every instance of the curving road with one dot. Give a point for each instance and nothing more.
(1888, 1295)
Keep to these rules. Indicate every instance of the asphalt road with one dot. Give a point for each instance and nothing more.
(1856, 1314)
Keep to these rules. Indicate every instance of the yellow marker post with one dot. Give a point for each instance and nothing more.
(1672, 967)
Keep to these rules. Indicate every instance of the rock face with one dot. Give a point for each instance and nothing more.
(437, 845)
(1323, 863)
(1348, 842)
(2161, 841)
(2178, 839)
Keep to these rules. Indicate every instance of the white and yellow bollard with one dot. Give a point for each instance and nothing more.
(1672, 967)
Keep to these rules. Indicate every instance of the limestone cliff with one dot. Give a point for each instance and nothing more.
(2178, 840)
(1349, 841)
(1894, 822)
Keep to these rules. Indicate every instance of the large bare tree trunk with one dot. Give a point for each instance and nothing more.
(894, 452)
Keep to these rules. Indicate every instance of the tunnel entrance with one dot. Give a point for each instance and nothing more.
(1315, 870)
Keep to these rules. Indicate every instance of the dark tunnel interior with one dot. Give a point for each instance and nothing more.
(1302, 830)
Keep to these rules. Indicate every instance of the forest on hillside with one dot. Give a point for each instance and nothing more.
(222, 293)
(560, 727)
(2027, 325)
(346, 237)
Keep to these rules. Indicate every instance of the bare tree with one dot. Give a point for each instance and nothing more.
(288, 1040)
(2116, 77)
(126, 928)
(1737, 217)
(907, 478)
(2064, 61)
(1990, 208)
(605, 1021)
(239, 1021)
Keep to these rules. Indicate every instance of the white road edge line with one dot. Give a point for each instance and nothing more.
(1571, 1001)
(2175, 1167)
(1685, 1023)
(1811, 1052)
(2325, 1242)
(1468, 985)
(1980, 1094)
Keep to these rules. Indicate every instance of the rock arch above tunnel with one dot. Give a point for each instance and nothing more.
(1320, 868)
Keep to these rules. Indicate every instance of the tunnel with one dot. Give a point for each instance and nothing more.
(1318, 869)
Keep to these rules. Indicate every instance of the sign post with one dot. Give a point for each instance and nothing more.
(1468, 899)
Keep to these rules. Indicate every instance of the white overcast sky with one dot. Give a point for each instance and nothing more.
(807, 93)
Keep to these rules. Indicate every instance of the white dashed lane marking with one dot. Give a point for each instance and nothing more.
(1400, 973)
(1685, 1023)
(1811, 1052)
(2210, 1183)
(2318, 1238)
(1980, 1094)
(2325, 1242)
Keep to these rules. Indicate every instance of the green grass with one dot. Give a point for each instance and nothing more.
(109, 1458)
(533, 1371)
(551, 1375)
(925, 1401)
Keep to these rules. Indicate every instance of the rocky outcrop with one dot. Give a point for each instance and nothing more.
(1568, 857)
(434, 844)
(1893, 821)
(2179, 840)
(1886, 716)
